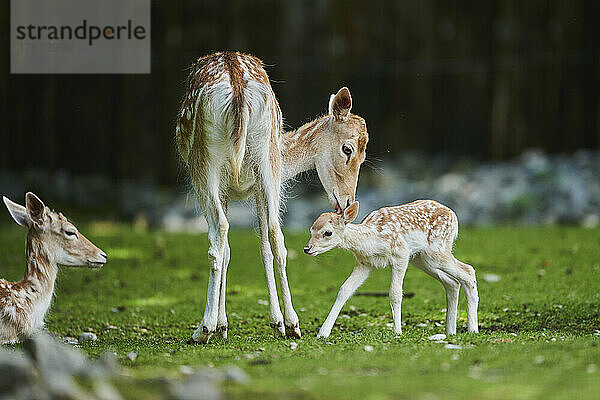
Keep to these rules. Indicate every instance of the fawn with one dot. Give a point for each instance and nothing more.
(51, 241)
(421, 232)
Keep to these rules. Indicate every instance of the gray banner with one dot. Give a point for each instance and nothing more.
(80, 37)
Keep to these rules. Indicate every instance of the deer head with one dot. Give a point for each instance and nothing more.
(64, 244)
(327, 232)
(341, 151)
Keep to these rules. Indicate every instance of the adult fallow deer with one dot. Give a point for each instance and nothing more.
(229, 134)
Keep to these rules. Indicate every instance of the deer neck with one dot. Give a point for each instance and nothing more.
(41, 270)
(300, 147)
(359, 239)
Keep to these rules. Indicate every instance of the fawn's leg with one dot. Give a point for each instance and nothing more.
(466, 277)
(452, 289)
(398, 272)
(451, 285)
(356, 278)
(276, 318)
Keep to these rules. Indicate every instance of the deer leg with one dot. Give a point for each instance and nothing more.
(276, 239)
(452, 287)
(218, 228)
(222, 316)
(356, 278)
(467, 279)
(431, 266)
(453, 274)
(276, 318)
(398, 272)
(292, 326)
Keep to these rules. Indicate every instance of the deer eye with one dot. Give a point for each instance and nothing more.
(347, 150)
(71, 233)
(327, 233)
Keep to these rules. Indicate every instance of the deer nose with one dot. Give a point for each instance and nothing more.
(307, 249)
(103, 254)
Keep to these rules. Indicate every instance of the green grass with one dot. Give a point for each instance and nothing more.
(150, 297)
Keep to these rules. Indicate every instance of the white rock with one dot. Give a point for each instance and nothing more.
(491, 277)
(368, 348)
(235, 374)
(439, 336)
(452, 346)
(540, 359)
(293, 345)
(186, 370)
(87, 337)
(70, 340)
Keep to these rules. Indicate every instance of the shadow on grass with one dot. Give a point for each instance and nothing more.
(576, 319)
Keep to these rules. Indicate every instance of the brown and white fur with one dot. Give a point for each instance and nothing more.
(421, 232)
(229, 133)
(51, 241)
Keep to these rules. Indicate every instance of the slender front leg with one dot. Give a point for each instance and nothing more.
(398, 272)
(222, 318)
(356, 278)
(276, 318)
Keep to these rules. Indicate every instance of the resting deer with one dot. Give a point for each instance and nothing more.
(51, 241)
(422, 231)
(229, 133)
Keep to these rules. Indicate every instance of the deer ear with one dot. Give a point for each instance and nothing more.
(18, 212)
(35, 208)
(340, 104)
(350, 212)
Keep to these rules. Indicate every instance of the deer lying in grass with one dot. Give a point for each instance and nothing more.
(229, 134)
(51, 241)
(422, 231)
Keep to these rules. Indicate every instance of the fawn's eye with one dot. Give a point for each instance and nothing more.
(327, 233)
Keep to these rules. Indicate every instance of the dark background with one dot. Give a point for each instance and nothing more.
(484, 79)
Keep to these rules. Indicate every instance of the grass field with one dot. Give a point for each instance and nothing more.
(539, 323)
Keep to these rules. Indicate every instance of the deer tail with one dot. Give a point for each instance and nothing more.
(240, 132)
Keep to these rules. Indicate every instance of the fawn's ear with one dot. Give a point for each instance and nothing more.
(340, 104)
(18, 212)
(35, 208)
(350, 212)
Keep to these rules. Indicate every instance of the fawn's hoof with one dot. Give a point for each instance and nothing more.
(293, 331)
(278, 329)
(202, 335)
(323, 334)
(221, 331)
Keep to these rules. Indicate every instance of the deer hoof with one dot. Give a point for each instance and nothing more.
(323, 334)
(222, 331)
(202, 335)
(278, 329)
(293, 331)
